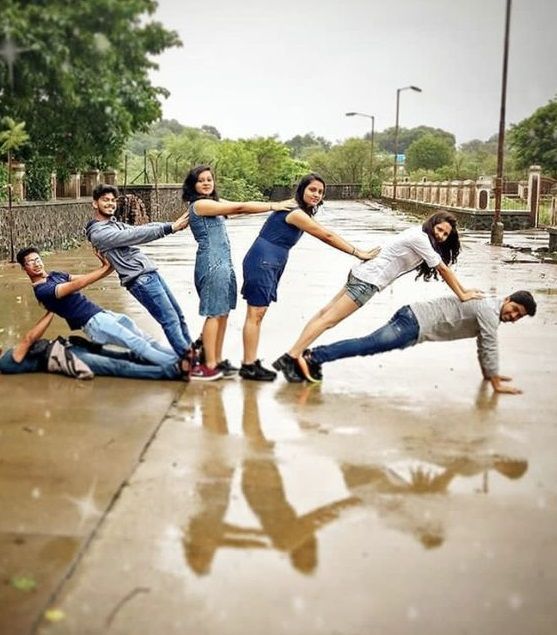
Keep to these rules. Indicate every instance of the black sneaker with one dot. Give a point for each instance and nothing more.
(311, 370)
(197, 346)
(289, 368)
(257, 372)
(227, 369)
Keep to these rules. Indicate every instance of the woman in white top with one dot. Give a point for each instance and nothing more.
(429, 249)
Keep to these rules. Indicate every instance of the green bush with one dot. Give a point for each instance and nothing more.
(238, 189)
(37, 179)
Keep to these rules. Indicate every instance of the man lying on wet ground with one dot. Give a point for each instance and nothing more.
(77, 358)
(60, 293)
(440, 319)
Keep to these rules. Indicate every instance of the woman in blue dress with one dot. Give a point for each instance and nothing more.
(215, 280)
(265, 261)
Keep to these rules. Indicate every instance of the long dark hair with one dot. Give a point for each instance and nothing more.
(189, 193)
(448, 250)
(300, 189)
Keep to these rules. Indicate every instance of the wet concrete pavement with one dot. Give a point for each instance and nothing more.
(400, 496)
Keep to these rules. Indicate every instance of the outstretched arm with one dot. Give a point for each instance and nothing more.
(307, 224)
(449, 277)
(21, 349)
(208, 207)
(79, 282)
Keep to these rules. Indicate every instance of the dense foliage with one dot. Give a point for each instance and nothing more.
(534, 140)
(80, 78)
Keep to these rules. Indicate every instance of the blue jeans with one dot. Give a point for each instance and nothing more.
(401, 331)
(104, 363)
(150, 290)
(108, 327)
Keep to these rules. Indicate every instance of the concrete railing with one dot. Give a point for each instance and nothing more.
(473, 201)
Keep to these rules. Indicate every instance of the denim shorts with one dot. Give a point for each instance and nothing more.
(358, 290)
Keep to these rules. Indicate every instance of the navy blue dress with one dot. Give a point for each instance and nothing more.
(265, 261)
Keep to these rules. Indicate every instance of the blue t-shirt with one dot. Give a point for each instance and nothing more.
(75, 308)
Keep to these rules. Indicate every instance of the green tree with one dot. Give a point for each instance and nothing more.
(12, 137)
(385, 140)
(81, 79)
(534, 139)
(275, 165)
(429, 152)
(302, 145)
(344, 163)
(236, 171)
(192, 147)
(211, 130)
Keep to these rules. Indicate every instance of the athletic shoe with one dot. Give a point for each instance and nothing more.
(228, 371)
(197, 347)
(289, 368)
(257, 372)
(204, 373)
(310, 370)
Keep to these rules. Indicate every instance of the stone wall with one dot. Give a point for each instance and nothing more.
(60, 224)
(162, 204)
(473, 201)
(48, 226)
(478, 220)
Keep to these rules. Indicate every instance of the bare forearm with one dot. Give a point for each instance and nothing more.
(449, 277)
(80, 282)
(35, 333)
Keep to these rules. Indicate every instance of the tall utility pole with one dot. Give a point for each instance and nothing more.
(395, 165)
(497, 226)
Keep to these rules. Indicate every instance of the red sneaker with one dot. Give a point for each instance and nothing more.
(204, 373)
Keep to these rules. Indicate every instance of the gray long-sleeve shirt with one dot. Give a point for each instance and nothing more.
(448, 318)
(117, 240)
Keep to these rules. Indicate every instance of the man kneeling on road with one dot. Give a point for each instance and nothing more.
(441, 319)
(30, 355)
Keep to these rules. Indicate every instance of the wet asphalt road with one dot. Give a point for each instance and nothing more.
(400, 496)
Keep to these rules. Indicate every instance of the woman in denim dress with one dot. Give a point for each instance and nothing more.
(215, 280)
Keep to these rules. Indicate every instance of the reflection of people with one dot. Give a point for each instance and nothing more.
(59, 292)
(22, 358)
(440, 319)
(215, 280)
(266, 259)
(118, 242)
(408, 480)
(429, 249)
(281, 527)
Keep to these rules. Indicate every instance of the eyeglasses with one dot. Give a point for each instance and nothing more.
(34, 261)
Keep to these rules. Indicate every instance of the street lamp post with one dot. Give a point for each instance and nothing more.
(398, 91)
(372, 117)
(497, 226)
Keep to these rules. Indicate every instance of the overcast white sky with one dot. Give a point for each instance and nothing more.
(289, 67)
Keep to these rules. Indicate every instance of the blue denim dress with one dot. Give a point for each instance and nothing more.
(266, 259)
(214, 275)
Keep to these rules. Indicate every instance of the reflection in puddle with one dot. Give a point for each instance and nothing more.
(247, 504)
(279, 490)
